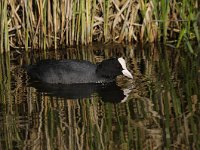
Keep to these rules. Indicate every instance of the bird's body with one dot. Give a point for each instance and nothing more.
(74, 71)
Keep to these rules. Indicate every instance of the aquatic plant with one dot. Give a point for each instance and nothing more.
(51, 24)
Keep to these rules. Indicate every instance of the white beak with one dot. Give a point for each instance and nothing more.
(127, 73)
(125, 70)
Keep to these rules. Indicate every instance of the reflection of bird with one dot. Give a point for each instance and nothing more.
(77, 71)
(106, 92)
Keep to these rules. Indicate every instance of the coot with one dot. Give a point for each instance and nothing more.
(77, 71)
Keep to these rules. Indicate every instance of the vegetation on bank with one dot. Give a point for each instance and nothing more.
(55, 23)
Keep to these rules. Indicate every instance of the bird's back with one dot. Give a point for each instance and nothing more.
(63, 71)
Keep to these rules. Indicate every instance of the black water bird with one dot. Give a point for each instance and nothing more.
(78, 71)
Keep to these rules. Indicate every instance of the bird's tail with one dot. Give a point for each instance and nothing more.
(31, 71)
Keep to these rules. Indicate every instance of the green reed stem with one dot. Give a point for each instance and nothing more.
(4, 27)
(78, 25)
(165, 11)
(55, 22)
(44, 22)
(72, 27)
(83, 22)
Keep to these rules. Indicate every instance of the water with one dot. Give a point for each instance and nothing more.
(158, 109)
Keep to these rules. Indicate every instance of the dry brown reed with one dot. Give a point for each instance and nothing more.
(51, 24)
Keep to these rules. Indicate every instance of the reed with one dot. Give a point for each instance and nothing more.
(4, 40)
(52, 24)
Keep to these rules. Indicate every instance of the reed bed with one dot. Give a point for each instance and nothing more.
(52, 24)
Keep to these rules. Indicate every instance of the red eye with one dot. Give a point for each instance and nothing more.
(119, 66)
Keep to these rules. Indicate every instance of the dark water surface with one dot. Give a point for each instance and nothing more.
(158, 109)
